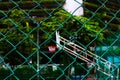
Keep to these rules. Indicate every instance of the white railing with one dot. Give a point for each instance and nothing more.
(103, 65)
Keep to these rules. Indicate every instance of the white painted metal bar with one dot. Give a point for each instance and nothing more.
(77, 55)
(106, 64)
(80, 48)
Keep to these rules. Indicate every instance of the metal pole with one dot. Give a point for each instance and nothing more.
(38, 55)
(118, 73)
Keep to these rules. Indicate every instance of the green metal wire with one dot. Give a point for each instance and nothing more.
(27, 40)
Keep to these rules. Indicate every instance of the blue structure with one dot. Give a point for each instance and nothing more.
(109, 53)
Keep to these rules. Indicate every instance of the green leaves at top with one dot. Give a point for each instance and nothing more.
(86, 29)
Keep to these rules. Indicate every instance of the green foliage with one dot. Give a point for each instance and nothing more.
(90, 29)
(15, 14)
(61, 19)
(4, 73)
(25, 72)
(117, 51)
(15, 31)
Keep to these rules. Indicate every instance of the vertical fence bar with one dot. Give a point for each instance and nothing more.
(38, 56)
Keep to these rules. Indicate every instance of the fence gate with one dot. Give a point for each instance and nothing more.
(59, 40)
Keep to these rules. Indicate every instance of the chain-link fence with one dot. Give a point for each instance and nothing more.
(59, 39)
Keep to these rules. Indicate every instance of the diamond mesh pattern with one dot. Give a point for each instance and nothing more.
(89, 47)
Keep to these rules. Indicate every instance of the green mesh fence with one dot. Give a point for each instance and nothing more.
(59, 40)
